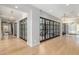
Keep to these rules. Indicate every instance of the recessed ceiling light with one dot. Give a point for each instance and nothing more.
(67, 4)
(16, 6)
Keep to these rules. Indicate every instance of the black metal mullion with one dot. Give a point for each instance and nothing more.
(56, 28)
(50, 29)
(42, 28)
(53, 28)
(22, 29)
(45, 29)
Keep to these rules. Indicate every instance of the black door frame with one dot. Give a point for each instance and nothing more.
(25, 19)
(45, 29)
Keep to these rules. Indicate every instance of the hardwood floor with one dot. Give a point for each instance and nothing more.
(65, 45)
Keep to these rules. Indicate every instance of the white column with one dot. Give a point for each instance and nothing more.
(61, 23)
(33, 32)
(66, 29)
(17, 29)
(0, 30)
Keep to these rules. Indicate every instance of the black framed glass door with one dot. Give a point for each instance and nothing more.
(51, 29)
(15, 29)
(23, 29)
(64, 29)
(42, 29)
(48, 29)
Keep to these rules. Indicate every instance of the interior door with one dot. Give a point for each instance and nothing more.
(48, 29)
(23, 29)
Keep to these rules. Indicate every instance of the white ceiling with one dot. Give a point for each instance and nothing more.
(11, 14)
(59, 10)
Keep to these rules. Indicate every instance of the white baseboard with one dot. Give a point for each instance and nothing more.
(33, 45)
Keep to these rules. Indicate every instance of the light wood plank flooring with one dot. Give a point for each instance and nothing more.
(65, 45)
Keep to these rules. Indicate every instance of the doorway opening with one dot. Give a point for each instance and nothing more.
(23, 29)
(6, 29)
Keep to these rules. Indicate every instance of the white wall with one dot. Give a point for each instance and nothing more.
(48, 16)
(33, 23)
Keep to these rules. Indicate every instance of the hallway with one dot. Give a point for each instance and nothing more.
(60, 45)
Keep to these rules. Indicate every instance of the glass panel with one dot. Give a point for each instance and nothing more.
(23, 29)
(48, 29)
